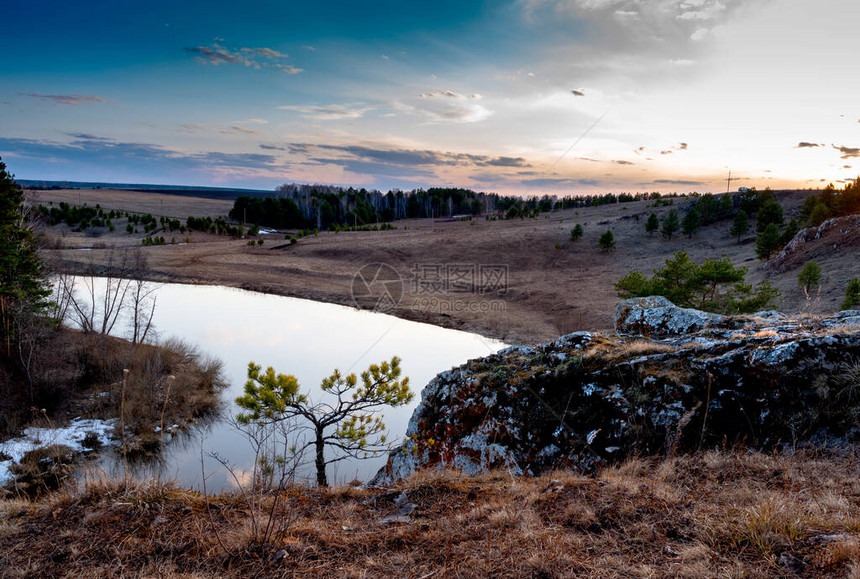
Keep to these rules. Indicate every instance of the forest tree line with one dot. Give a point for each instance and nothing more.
(326, 206)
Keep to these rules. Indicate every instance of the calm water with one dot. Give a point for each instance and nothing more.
(300, 337)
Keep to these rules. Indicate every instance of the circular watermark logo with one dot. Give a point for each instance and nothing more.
(377, 287)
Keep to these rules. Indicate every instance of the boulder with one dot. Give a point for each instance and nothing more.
(657, 317)
(587, 399)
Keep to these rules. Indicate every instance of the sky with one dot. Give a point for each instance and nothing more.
(523, 97)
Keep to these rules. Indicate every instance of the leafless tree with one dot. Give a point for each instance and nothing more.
(98, 309)
(31, 330)
(277, 461)
(143, 299)
(61, 297)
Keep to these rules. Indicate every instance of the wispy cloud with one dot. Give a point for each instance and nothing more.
(257, 58)
(559, 182)
(234, 129)
(195, 127)
(88, 137)
(68, 99)
(329, 112)
(447, 106)
(807, 145)
(423, 157)
(679, 147)
(664, 27)
(848, 152)
(676, 182)
(138, 162)
(239, 130)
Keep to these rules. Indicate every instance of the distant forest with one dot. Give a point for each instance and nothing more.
(324, 207)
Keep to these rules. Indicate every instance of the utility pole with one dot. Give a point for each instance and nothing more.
(729, 182)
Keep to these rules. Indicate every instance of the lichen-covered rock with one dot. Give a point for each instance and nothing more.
(585, 399)
(657, 317)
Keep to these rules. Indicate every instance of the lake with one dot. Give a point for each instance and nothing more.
(300, 337)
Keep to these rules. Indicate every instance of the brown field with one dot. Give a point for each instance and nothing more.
(715, 514)
(550, 290)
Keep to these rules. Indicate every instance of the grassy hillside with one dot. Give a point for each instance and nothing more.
(718, 514)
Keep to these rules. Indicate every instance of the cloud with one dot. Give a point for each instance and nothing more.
(578, 92)
(679, 147)
(233, 129)
(676, 182)
(195, 127)
(73, 99)
(556, 182)
(266, 52)
(622, 162)
(288, 68)
(507, 162)
(256, 58)
(329, 112)
(447, 106)
(424, 157)
(848, 152)
(88, 137)
(807, 145)
(239, 130)
(216, 56)
(272, 147)
(655, 27)
(90, 150)
(447, 94)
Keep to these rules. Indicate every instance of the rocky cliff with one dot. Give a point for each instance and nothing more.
(672, 380)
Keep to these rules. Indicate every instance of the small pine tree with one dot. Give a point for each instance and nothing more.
(767, 242)
(607, 241)
(790, 231)
(670, 225)
(691, 222)
(576, 232)
(820, 214)
(351, 425)
(809, 276)
(770, 212)
(740, 225)
(852, 294)
(653, 223)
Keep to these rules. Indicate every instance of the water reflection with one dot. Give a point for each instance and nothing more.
(300, 337)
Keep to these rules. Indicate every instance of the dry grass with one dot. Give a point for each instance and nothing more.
(715, 514)
(765, 334)
(638, 348)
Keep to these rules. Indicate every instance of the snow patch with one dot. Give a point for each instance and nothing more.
(72, 436)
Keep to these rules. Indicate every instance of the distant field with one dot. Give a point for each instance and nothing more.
(554, 285)
(176, 206)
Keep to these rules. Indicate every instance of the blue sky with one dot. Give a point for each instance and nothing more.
(523, 96)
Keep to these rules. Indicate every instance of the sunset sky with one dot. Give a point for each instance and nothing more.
(520, 97)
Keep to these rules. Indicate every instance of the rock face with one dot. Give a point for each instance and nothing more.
(764, 381)
(837, 235)
(657, 317)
